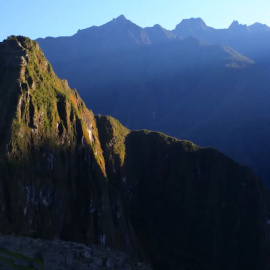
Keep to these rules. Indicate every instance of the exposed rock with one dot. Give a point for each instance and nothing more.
(52, 159)
(52, 255)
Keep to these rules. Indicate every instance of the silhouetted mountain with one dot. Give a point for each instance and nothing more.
(118, 34)
(191, 27)
(158, 34)
(252, 41)
(210, 94)
(259, 28)
(183, 200)
(66, 174)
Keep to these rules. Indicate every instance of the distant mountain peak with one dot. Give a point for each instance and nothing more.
(120, 21)
(259, 27)
(193, 23)
(237, 26)
(234, 24)
(120, 18)
(157, 26)
(191, 27)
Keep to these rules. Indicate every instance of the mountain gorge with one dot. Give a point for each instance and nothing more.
(67, 174)
(187, 83)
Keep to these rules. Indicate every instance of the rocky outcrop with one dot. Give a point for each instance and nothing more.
(19, 252)
(53, 179)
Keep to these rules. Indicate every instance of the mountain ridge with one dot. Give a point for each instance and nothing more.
(72, 176)
(250, 40)
(148, 83)
(122, 19)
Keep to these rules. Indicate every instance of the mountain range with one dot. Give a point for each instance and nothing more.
(67, 174)
(252, 41)
(207, 85)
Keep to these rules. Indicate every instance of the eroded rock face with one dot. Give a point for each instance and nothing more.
(53, 179)
(66, 175)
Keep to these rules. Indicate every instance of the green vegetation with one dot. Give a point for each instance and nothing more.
(48, 111)
(11, 257)
(49, 145)
(112, 136)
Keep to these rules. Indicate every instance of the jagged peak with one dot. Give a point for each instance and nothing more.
(259, 27)
(158, 26)
(235, 25)
(21, 41)
(192, 23)
(44, 106)
(120, 21)
(115, 22)
(18, 38)
(120, 18)
(28, 53)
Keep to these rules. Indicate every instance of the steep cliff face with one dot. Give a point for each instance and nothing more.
(191, 207)
(53, 180)
(66, 174)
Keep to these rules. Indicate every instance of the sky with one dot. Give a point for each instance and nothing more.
(42, 18)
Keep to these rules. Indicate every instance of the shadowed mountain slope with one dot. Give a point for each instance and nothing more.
(187, 204)
(66, 174)
(53, 179)
(252, 41)
(150, 78)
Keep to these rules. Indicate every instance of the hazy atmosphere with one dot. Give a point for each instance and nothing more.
(64, 17)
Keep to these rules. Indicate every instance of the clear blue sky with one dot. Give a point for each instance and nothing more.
(41, 18)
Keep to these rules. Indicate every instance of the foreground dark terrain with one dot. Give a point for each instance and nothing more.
(66, 174)
(26, 253)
